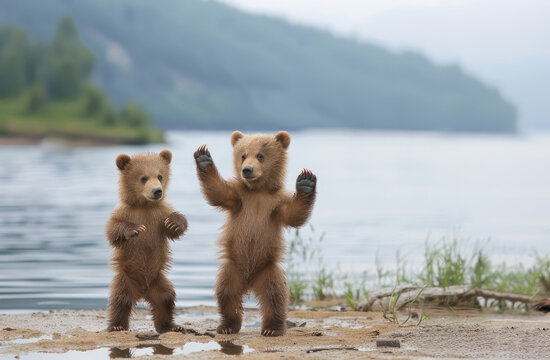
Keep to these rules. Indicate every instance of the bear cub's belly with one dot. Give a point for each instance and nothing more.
(253, 241)
(145, 257)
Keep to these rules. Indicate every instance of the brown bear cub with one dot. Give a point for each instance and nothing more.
(138, 230)
(258, 208)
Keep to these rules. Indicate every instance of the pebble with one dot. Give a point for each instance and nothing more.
(388, 343)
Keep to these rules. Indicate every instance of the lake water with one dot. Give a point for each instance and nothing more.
(376, 192)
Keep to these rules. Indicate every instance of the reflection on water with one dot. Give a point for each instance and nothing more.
(140, 350)
(376, 191)
(225, 347)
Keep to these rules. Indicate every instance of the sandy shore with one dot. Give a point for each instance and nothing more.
(81, 334)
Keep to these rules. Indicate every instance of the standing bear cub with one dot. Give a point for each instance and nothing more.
(138, 230)
(258, 207)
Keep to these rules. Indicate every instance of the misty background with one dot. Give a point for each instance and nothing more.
(505, 43)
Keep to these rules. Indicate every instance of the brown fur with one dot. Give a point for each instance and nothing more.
(138, 230)
(252, 241)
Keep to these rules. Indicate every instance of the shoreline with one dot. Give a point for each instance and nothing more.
(320, 334)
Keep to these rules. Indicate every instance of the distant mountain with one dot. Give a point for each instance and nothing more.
(202, 64)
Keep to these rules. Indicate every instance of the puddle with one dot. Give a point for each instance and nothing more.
(255, 325)
(351, 324)
(102, 353)
(31, 340)
(369, 347)
(225, 347)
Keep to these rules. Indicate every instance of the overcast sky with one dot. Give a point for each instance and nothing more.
(505, 42)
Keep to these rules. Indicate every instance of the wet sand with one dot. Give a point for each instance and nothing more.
(70, 334)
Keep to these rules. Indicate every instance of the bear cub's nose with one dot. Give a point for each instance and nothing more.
(157, 193)
(247, 171)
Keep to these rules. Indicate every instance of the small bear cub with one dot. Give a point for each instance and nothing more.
(258, 207)
(138, 230)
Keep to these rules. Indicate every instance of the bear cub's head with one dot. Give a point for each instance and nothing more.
(144, 177)
(260, 160)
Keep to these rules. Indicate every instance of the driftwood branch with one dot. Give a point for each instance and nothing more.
(345, 348)
(408, 293)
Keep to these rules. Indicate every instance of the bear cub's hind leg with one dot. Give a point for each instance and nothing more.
(270, 289)
(230, 289)
(121, 303)
(162, 298)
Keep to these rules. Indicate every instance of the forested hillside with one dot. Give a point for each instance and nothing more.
(201, 64)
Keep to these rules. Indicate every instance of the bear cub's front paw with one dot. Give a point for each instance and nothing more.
(306, 181)
(202, 157)
(176, 223)
(135, 231)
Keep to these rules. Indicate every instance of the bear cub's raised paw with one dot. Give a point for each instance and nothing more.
(306, 181)
(203, 157)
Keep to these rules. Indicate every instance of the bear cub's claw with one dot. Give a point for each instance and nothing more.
(135, 232)
(306, 181)
(272, 332)
(177, 223)
(203, 157)
(116, 328)
(227, 330)
(177, 328)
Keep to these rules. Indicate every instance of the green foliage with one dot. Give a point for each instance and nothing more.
(444, 264)
(94, 100)
(65, 119)
(133, 115)
(108, 115)
(68, 62)
(516, 280)
(323, 284)
(305, 258)
(542, 269)
(35, 99)
(381, 273)
(14, 50)
(481, 273)
(211, 66)
(40, 78)
(353, 294)
(390, 310)
(297, 287)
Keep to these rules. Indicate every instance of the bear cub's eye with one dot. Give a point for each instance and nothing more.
(159, 177)
(144, 179)
(243, 157)
(260, 157)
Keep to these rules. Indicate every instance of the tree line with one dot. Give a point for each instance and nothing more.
(42, 72)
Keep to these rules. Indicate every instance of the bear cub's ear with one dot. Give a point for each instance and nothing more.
(122, 161)
(284, 138)
(235, 137)
(166, 155)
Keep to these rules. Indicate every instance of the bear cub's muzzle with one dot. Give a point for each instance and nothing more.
(157, 193)
(248, 172)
